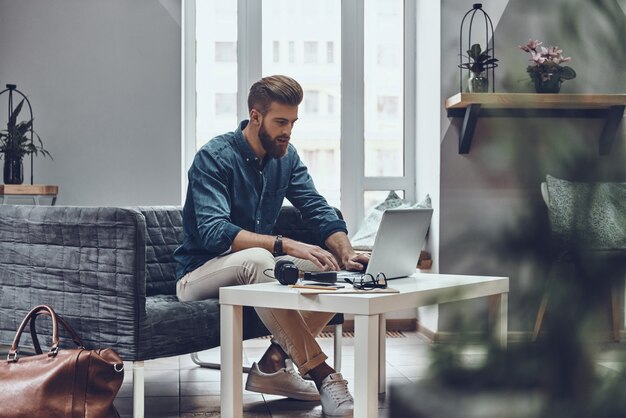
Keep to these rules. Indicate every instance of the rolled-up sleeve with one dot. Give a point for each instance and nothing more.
(313, 206)
(208, 180)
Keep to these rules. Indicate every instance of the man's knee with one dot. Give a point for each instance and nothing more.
(258, 266)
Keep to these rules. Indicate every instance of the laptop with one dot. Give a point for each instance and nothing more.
(399, 240)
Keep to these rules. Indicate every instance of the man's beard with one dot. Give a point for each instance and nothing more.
(272, 147)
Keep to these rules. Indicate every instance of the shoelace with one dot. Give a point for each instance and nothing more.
(290, 369)
(337, 386)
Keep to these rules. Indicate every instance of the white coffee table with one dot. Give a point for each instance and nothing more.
(421, 289)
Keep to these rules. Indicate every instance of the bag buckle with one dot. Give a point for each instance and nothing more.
(12, 357)
(53, 351)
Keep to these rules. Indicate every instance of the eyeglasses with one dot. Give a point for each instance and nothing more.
(369, 282)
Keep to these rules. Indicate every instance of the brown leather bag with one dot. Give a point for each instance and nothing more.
(63, 383)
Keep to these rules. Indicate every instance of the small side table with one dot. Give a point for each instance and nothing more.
(29, 191)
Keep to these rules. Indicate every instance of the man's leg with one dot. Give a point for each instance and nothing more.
(256, 265)
(253, 265)
(290, 330)
(275, 356)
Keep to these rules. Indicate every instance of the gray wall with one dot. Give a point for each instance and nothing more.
(492, 195)
(103, 78)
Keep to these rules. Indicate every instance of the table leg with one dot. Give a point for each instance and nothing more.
(231, 337)
(382, 360)
(366, 365)
(498, 318)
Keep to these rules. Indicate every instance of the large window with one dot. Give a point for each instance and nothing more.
(349, 56)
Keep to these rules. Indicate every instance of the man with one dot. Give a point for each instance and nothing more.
(237, 184)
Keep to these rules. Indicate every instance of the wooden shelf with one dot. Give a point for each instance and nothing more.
(471, 106)
(29, 189)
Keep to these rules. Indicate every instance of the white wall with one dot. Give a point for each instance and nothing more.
(103, 78)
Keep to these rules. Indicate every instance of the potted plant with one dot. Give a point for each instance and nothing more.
(479, 62)
(16, 142)
(546, 71)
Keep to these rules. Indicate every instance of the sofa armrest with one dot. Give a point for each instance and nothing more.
(164, 233)
(87, 263)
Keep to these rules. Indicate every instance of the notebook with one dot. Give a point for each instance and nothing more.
(399, 240)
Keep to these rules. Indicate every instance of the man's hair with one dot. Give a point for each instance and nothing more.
(276, 88)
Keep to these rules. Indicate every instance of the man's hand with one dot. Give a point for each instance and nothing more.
(317, 255)
(339, 244)
(355, 262)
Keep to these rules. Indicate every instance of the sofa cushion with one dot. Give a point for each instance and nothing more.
(589, 215)
(173, 327)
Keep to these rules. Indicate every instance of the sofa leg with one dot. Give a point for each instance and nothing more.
(217, 366)
(337, 346)
(138, 390)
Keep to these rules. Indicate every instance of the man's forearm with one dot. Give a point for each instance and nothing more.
(246, 239)
(339, 244)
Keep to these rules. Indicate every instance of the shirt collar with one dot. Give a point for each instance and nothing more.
(243, 145)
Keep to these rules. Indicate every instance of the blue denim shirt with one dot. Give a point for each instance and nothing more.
(229, 190)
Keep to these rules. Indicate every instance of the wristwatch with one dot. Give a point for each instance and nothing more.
(278, 246)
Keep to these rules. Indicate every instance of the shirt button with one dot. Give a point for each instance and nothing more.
(258, 222)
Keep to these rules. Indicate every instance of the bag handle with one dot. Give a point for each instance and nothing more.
(62, 321)
(54, 347)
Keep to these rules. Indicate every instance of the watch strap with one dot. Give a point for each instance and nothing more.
(278, 246)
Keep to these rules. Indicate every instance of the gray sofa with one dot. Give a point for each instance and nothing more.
(110, 272)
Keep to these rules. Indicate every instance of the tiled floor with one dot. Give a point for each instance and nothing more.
(176, 387)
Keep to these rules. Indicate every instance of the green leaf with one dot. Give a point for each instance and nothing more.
(23, 127)
(13, 116)
(474, 51)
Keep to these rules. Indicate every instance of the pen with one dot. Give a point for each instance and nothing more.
(310, 286)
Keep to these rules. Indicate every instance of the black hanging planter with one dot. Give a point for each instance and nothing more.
(478, 82)
(13, 169)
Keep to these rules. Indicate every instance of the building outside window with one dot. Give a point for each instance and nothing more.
(311, 102)
(330, 52)
(225, 103)
(225, 51)
(292, 52)
(389, 106)
(310, 52)
(330, 103)
(276, 51)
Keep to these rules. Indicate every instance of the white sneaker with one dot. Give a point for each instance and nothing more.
(336, 399)
(285, 382)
